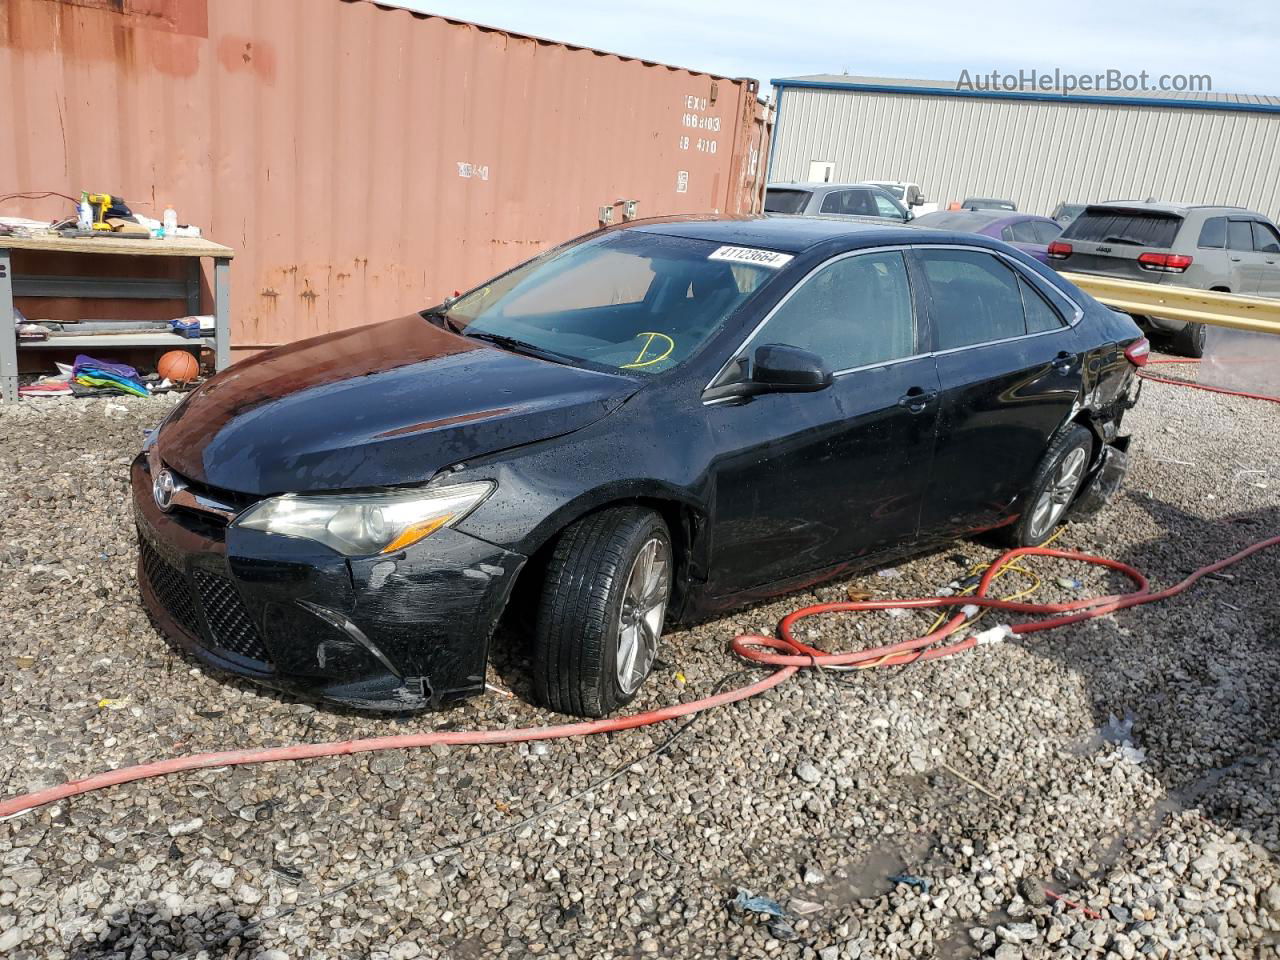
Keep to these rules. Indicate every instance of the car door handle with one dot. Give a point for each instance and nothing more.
(917, 398)
(1235, 259)
(1063, 362)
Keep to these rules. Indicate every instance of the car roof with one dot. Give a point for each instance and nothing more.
(983, 217)
(814, 187)
(986, 200)
(791, 234)
(965, 220)
(1174, 209)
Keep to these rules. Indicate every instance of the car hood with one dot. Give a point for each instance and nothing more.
(385, 404)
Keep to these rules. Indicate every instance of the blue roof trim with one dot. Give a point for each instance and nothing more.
(782, 83)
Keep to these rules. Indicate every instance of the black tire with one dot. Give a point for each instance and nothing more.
(1189, 341)
(1026, 532)
(577, 626)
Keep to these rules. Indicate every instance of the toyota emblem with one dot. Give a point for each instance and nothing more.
(163, 488)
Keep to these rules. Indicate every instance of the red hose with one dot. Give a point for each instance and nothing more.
(754, 648)
(1201, 386)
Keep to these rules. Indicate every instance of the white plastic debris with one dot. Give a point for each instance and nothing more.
(1001, 631)
(970, 609)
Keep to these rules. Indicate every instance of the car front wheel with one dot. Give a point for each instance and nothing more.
(1056, 482)
(601, 612)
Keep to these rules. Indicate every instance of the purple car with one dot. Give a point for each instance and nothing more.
(1027, 232)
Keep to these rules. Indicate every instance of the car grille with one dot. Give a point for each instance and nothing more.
(230, 625)
(171, 588)
(229, 621)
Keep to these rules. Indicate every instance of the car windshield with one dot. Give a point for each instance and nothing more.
(893, 189)
(629, 300)
(785, 201)
(982, 203)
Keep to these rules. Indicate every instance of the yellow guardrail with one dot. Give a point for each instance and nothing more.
(1256, 314)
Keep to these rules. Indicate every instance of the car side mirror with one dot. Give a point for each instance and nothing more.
(779, 368)
(909, 216)
(772, 368)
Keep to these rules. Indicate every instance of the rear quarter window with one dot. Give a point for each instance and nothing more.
(1132, 228)
(785, 201)
(1213, 235)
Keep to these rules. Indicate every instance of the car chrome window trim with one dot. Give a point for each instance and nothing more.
(1077, 310)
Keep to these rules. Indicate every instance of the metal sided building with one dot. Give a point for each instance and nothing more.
(1035, 148)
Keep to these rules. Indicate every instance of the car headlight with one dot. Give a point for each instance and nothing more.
(362, 524)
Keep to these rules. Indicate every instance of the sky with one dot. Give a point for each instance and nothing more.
(1236, 42)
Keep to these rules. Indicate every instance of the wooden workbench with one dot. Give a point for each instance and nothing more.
(192, 249)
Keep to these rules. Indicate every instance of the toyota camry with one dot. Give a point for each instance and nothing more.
(642, 427)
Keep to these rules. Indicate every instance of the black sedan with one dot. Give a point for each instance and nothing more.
(645, 426)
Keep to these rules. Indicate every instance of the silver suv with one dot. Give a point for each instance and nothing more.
(1210, 248)
(860, 200)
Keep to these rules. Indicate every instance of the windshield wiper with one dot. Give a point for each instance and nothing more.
(521, 346)
(1124, 240)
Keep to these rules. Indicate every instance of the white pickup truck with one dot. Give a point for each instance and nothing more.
(908, 193)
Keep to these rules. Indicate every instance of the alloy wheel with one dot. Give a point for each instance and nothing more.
(644, 604)
(1053, 502)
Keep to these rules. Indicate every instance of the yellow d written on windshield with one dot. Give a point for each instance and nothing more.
(664, 344)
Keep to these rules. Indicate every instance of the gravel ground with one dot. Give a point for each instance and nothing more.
(1131, 763)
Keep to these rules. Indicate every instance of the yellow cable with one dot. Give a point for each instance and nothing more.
(1009, 566)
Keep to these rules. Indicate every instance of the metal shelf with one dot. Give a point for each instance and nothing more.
(89, 340)
(110, 286)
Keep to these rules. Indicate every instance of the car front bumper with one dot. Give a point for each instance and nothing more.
(398, 632)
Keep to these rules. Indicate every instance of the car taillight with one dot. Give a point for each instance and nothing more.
(1164, 262)
(1138, 352)
(1059, 250)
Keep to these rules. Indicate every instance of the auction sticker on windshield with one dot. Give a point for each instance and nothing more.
(763, 258)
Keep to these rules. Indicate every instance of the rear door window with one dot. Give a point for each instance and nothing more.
(1239, 235)
(976, 298)
(1025, 232)
(853, 312)
(1264, 238)
(785, 201)
(1045, 231)
(1213, 235)
(854, 203)
(1128, 227)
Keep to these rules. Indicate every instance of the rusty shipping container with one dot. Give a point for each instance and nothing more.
(363, 160)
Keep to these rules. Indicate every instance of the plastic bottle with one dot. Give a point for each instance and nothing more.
(170, 221)
(84, 220)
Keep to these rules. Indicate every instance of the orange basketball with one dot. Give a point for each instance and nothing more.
(178, 366)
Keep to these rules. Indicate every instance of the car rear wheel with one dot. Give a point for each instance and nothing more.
(1056, 482)
(1189, 341)
(601, 612)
